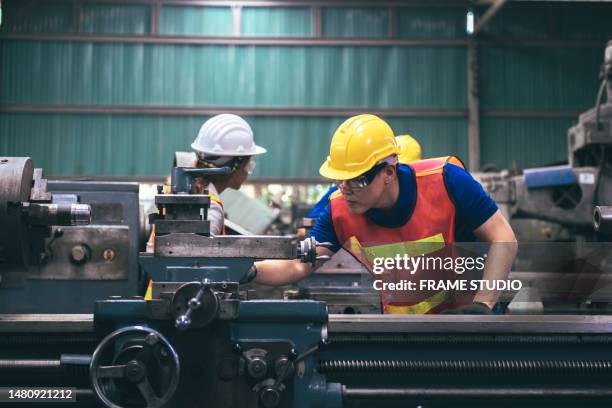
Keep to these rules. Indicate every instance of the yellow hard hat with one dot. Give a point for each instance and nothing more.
(410, 149)
(357, 145)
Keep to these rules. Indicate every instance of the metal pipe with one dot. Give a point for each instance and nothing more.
(285, 112)
(473, 107)
(269, 41)
(488, 15)
(288, 3)
(245, 111)
(464, 339)
(85, 393)
(65, 360)
(607, 69)
(68, 339)
(448, 324)
(368, 393)
(290, 41)
(29, 364)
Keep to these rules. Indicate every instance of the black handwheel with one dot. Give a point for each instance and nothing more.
(151, 370)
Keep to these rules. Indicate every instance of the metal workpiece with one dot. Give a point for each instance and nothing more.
(57, 214)
(249, 247)
(602, 219)
(307, 251)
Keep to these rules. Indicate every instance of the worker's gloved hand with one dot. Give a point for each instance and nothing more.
(476, 308)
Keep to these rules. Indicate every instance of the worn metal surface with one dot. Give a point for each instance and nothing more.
(249, 247)
(114, 272)
(182, 226)
(107, 250)
(15, 182)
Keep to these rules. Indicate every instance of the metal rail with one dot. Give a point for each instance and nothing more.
(368, 393)
(469, 324)
(371, 324)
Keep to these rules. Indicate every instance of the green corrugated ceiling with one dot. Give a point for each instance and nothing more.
(511, 77)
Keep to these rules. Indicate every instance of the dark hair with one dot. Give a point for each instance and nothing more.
(202, 182)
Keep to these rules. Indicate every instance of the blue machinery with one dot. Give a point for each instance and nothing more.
(200, 341)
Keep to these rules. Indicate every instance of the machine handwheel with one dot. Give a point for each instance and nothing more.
(137, 359)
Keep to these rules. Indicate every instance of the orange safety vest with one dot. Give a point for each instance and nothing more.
(217, 200)
(428, 232)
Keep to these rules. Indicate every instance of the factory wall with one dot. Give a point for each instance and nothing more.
(558, 75)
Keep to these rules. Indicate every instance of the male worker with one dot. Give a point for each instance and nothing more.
(383, 207)
(409, 151)
(224, 141)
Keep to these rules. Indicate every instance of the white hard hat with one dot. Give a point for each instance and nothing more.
(226, 135)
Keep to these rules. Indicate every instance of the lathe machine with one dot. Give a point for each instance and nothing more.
(203, 341)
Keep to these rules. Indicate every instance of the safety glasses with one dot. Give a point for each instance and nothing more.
(250, 166)
(362, 181)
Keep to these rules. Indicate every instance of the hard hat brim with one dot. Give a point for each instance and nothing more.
(258, 150)
(335, 174)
